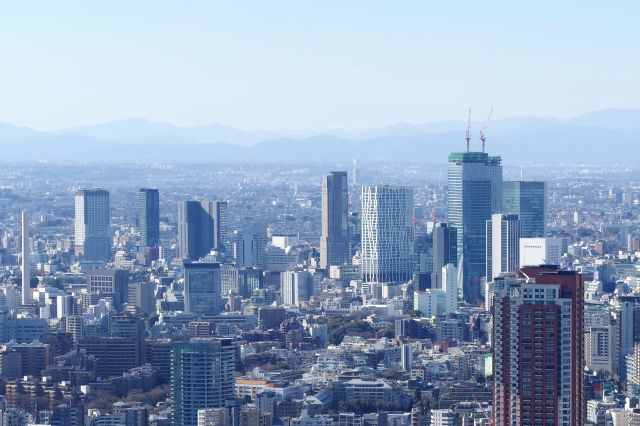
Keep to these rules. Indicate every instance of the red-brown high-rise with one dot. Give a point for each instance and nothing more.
(538, 347)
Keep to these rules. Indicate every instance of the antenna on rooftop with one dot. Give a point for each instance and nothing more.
(468, 136)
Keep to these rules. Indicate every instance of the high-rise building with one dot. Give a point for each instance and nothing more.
(295, 287)
(334, 242)
(92, 236)
(249, 246)
(201, 377)
(386, 233)
(627, 315)
(503, 245)
(202, 288)
(445, 250)
(538, 344)
(540, 251)
(220, 226)
(196, 229)
(600, 348)
(475, 193)
(149, 217)
(141, 294)
(528, 200)
(26, 264)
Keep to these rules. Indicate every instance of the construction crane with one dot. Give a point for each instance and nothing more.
(468, 137)
(483, 130)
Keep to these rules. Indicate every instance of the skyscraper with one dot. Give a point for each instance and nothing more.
(201, 377)
(475, 188)
(334, 242)
(528, 200)
(149, 217)
(196, 229)
(92, 236)
(445, 250)
(503, 245)
(26, 267)
(387, 233)
(202, 288)
(221, 228)
(538, 346)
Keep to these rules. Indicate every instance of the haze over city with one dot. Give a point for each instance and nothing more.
(319, 214)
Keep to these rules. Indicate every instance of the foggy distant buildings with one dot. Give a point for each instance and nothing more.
(334, 242)
(92, 236)
(387, 233)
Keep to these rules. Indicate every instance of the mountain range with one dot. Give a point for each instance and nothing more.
(606, 136)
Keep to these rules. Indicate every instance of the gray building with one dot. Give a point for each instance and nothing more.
(92, 234)
(109, 282)
(334, 242)
(195, 229)
(201, 377)
(202, 288)
(475, 193)
(528, 200)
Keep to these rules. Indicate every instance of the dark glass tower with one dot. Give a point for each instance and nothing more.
(334, 243)
(475, 192)
(528, 201)
(149, 217)
(196, 230)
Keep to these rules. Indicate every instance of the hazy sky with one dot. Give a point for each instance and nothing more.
(301, 64)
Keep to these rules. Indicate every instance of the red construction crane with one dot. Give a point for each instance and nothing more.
(483, 130)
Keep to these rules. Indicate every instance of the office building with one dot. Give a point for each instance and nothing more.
(92, 235)
(26, 264)
(445, 417)
(141, 295)
(149, 217)
(540, 251)
(334, 242)
(627, 319)
(600, 349)
(220, 226)
(295, 287)
(214, 417)
(538, 342)
(201, 377)
(249, 247)
(528, 200)
(475, 193)
(444, 251)
(202, 288)
(114, 355)
(386, 233)
(503, 245)
(196, 229)
(109, 282)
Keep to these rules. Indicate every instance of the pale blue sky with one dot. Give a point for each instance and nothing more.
(313, 64)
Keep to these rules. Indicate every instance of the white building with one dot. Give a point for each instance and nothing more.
(295, 287)
(600, 348)
(437, 301)
(387, 233)
(444, 418)
(503, 244)
(540, 251)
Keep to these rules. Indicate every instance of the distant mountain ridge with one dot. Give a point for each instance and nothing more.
(601, 136)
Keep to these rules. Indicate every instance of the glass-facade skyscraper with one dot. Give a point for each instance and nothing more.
(92, 236)
(528, 200)
(475, 193)
(334, 242)
(196, 233)
(149, 217)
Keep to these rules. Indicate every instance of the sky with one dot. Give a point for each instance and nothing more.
(302, 65)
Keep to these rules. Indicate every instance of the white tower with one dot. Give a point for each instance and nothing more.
(26, 271)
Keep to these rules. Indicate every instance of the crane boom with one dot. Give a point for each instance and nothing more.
(468, 136)
(483, 130)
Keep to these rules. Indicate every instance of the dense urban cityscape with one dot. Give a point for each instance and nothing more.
(319, 294)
